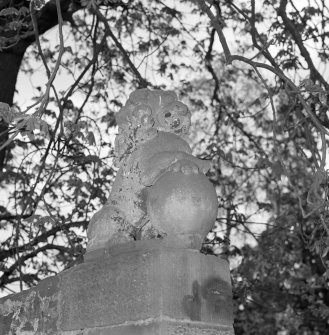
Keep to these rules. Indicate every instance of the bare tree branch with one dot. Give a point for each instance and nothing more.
(142, 82)
(289, 25)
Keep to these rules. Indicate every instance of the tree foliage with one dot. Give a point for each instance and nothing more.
(254, 75)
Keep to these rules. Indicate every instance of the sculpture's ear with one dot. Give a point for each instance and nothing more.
(122, 117)
(139, 96)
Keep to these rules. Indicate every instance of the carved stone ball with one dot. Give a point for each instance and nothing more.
(180, 204)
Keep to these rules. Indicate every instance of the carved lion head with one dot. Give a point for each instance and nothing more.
(145, 113)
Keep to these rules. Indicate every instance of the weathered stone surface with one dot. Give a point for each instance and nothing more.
(111, 290)
(31, 312)
(148, 287)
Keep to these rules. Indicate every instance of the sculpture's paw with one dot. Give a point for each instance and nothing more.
(185, 166)
(204, 165)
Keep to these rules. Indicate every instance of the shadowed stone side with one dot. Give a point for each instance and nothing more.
(151, 287)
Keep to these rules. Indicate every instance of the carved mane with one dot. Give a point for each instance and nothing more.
(144, 114)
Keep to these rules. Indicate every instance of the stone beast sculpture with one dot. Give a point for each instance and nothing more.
(160, 189)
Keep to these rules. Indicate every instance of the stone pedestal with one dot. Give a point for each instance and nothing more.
(144, 287)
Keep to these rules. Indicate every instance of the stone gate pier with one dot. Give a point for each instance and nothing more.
(147, 288)
(143, 272)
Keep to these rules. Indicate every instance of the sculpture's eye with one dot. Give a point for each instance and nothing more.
(168, 114)
(147, 120)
